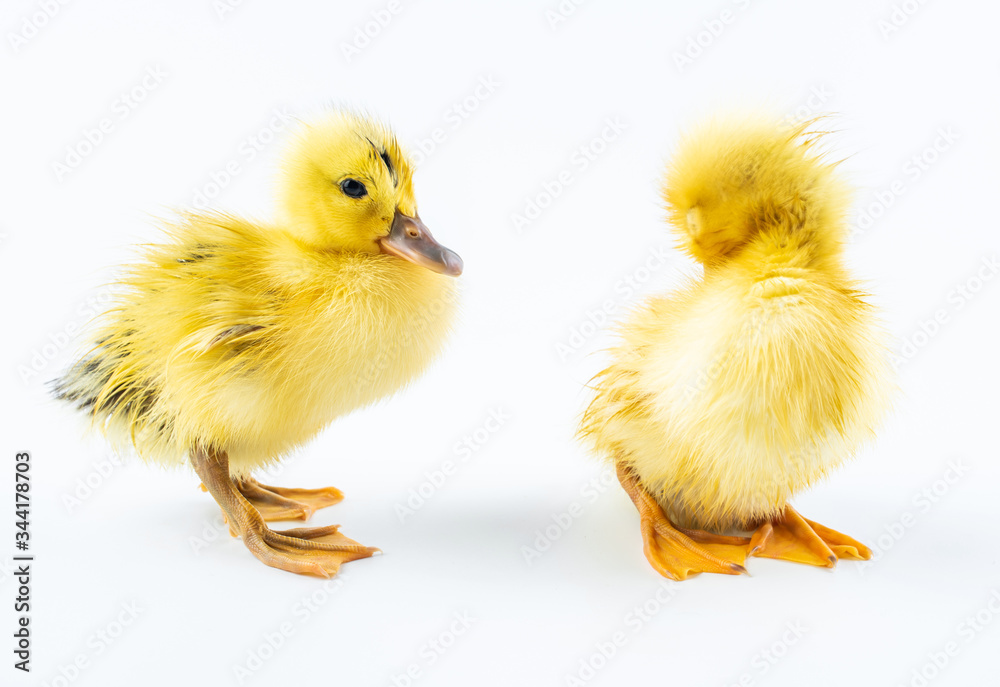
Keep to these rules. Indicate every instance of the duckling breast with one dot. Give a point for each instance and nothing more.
(361, 337)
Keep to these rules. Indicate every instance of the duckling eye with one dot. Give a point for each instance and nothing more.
(353, 188)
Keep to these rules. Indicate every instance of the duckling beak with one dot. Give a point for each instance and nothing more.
(411, 240)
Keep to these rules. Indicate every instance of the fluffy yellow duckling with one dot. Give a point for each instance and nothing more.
(236, 341)
(726, 398)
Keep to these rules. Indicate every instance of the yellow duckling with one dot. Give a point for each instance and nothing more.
(236, 341)
(726, 398)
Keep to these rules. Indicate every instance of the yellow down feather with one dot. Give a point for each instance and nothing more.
(249, 337)
(752, 382)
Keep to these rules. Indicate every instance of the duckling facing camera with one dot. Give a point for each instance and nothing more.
(235, 342)
(748, 385)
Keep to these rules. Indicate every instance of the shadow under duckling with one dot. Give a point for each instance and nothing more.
(726, 398)
(235, 342)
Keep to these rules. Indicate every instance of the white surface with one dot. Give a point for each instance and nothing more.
(133, 540)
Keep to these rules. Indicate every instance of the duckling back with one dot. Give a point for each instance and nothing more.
(753, 382)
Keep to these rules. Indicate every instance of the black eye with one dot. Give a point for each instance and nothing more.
(353, 188)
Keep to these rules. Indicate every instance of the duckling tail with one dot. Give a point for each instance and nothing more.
(733, 179)
(105, 388)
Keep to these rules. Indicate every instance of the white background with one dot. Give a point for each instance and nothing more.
(204, 605)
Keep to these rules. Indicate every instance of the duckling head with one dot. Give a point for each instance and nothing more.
(348, 186)
(739, 177)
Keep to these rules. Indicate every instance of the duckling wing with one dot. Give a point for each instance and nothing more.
(233, 335)
(191, 316)
(223, 338)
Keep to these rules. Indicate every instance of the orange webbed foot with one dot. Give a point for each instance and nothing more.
(679, 553)
(791, 537)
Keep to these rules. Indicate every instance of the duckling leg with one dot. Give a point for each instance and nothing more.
(316, 551)
(791, 537)
(678, 553)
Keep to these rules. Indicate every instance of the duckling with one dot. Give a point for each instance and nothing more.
(726, 398)
(235, 342)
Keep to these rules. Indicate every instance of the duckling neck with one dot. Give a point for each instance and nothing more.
(776, 250)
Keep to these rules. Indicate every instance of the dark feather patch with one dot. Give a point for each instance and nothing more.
(386, 160)
(200, 252)
(234, 332)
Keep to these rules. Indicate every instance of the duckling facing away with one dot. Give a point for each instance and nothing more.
(729, 396)
(236, 342)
